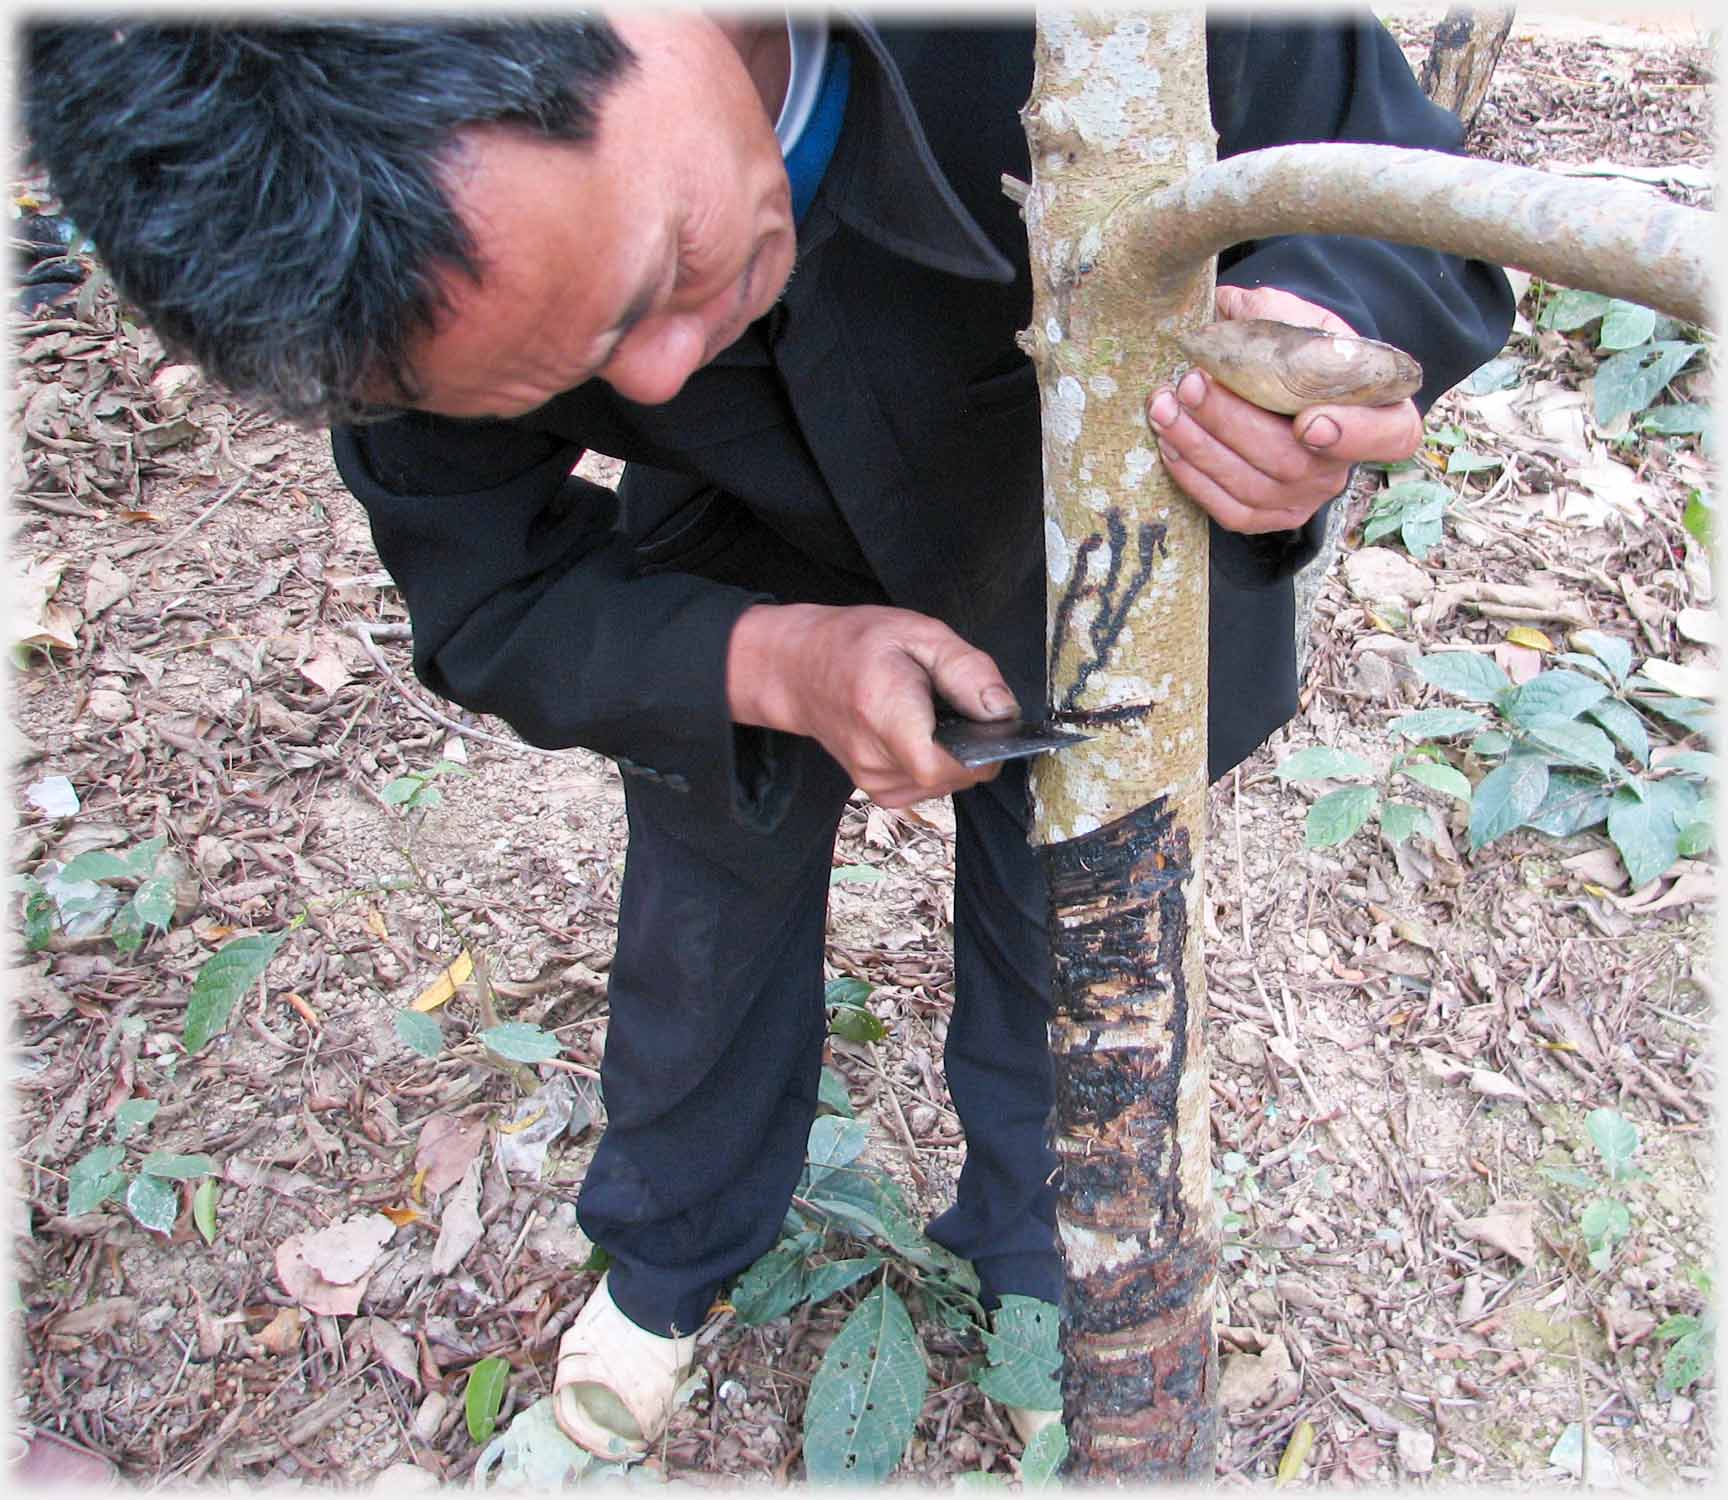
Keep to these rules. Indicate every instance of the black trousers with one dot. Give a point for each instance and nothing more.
(714, 1046)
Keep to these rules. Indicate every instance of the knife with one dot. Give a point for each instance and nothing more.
(982, 742)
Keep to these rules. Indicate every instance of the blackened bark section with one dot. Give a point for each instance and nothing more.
(1139, 1370)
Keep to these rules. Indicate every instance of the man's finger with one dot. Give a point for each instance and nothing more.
(963, 677)
(1360, 434)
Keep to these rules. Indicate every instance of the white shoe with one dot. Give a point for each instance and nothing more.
(616, 1382)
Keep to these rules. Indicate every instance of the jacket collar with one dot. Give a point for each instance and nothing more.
(884, 182)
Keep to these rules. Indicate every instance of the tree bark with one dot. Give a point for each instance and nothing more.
(1461, 57)
(1125, 210)
(1119, 103)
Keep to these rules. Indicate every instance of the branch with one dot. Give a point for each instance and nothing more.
(1620, 242)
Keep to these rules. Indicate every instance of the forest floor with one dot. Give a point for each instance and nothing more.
(1407, 1042)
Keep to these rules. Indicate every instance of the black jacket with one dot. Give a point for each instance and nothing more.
(880, 421)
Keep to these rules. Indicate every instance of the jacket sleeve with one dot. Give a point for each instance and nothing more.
(1275, 83)
(528, 604)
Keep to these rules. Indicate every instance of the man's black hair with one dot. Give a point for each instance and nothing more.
(271, 197)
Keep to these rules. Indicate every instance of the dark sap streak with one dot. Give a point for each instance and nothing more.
(1113, 608)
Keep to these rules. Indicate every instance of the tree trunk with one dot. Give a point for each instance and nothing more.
(1124, 213)
(1461, 57)
(1119, 817)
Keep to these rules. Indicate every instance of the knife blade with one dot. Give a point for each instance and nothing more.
(982, 742)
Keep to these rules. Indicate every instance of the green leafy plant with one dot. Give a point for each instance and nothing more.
(1415, 511)
(122, 894)
(1568, 750)
(1604, 1222)
(847, 1224)
(151, 1191)
(1691, 1340)
(418, 791)
(225, 976)
(1645, 352)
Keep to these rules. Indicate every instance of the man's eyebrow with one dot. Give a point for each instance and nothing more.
(639, 307)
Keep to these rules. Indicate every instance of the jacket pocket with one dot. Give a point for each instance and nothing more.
(694, 534)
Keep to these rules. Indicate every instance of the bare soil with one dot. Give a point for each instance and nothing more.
(1406, 1041)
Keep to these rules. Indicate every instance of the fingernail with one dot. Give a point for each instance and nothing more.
(998, 702)
(1162, 409)
(1322, 432)
(1192, 390)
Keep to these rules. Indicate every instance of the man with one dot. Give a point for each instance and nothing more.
(517, 242)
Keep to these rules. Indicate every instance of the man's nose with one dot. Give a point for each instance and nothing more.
(657, 357)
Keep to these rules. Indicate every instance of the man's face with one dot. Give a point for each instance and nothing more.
(634, 258)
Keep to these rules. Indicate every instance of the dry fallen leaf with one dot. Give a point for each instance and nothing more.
(1494, 1085)
(395, 1348)
(447, 1146)
(307, 1286)
(1250, 1379)
(1683, 681)
(349, 1248)
(1695, 883)
(459, 1228)
(326, 670)
(444, 986)
(1597, 867)
(282, 1333)
(1508, 1227)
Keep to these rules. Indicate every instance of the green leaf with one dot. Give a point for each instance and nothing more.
(180, 1167)
(1701, 763)
(1624, 724)
(855, 875)
(141, 860)
(153, 1202)
(1468, 461)
(155, 901)
(96, 864)
(127, 928)
(1420, 535)
(1571, 1177)
(204, 1198)
(1571, 803)
(1499, 374)
(1687, 1361)
(402, 789)
(831, 1093)
(1021, 1346)
(39, 916)
(134, 1115)
(1613, 652)
(1337, 815)
(1645, 834)
(1041, 1463)
(1626, 325)
(1573, 309)
(1465, 674)
(834, 1142)
(95, 1178)
(1677, 419)
(1575, 744)
(822, 1282)
(520, 1042)
(846, 991)
(1557, 694)
(865, 1399)
(1321, 763)
(1697, 838)
(1505, 797)
(1438, 723)
(1632, 380)
(225, 976)
(771, 1288)
(484, 1395)
(1444, 779)
(1693, 715)
(852, 1023)
(1615, 1137)
(1700, 519)
(1399, 820)
(1604, 1221)
(419, 1032)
